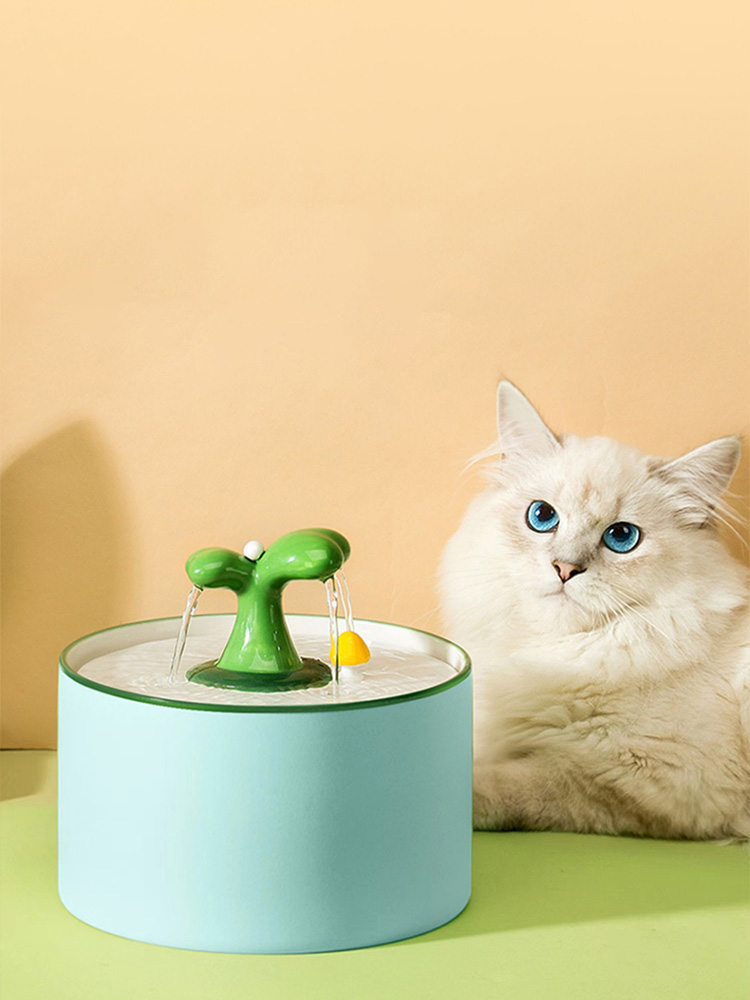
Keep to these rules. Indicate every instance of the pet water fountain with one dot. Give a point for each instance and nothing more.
(263, 784)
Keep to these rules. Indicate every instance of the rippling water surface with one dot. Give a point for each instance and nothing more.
(144, 669)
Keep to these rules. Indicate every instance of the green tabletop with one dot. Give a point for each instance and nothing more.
(551, 915)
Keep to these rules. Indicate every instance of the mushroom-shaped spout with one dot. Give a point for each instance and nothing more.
(219, 568)
(260, 652)
(309, 554)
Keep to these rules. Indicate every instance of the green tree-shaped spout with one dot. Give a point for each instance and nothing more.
(259, 654)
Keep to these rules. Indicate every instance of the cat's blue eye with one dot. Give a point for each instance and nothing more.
(541, 516)
(622, 536)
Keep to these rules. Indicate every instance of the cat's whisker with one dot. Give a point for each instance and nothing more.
(731, 493)
(422, 617)
(724, 513)
(733, 531)
(648, 685)
(722, 504)
(730, 509)
(640, 614)
(618, 606)
(493, 450)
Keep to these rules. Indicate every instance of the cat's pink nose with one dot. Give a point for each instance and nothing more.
(566, 570)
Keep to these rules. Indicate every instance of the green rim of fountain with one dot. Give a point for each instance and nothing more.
(461, 675)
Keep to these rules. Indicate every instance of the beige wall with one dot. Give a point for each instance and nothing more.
(265, 263)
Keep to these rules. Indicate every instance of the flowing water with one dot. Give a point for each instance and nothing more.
(333, 625)
(157, 668)
(179, 649)
(335, 585)
(396, 667)
(346, 600)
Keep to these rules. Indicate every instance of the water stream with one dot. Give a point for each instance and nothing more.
(346, 599)
(179, 649)
(337, 592)
(333, 623)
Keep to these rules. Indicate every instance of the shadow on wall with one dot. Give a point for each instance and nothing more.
(62, 564)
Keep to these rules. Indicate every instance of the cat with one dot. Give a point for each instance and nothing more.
(608, 627)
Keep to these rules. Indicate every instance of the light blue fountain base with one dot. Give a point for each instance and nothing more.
(264, 832)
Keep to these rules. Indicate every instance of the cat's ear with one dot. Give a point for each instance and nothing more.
(519, 426)
(698, 479)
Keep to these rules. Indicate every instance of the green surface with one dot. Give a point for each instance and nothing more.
(551, 915)
(259, 641)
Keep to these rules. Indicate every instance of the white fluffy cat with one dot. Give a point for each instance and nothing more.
(608, 628)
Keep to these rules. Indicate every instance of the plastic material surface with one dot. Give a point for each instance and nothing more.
(264, 831)
(260, 652)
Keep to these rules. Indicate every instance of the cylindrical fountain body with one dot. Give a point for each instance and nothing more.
(266, 828)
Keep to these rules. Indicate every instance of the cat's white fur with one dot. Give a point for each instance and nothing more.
(619, 701)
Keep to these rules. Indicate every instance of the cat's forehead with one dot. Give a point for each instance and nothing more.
(595, 474)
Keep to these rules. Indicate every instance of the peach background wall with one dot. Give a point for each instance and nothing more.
(265, 262)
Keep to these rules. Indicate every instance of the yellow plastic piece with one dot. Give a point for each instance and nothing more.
(352, 650)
